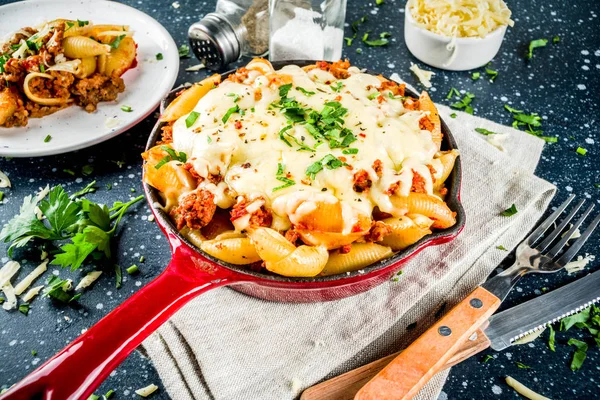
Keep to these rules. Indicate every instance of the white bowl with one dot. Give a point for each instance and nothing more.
(433, 49)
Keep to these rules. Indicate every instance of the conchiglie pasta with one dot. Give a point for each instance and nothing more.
(237, 251)
(405, 232)
(219, 224)
(81, 46)
(170, 177)
(86, 68)
(447, 159)
(270, 244)
(120, 59)
(261, 64)
(72, 28)
(425, 104)
(304, 261)
(331, 240)
(185, 103)
(193, 235)
(359, 256)
(429, 206)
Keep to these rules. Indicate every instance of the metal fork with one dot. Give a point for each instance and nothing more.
(533, 254)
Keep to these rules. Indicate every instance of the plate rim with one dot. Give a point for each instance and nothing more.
(173, 65)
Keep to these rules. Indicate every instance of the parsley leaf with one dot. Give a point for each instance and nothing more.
(350, 151)
(534, 44)
(60, 211)
(232, 110)
(581, 151)
(521, 365)
(159, 56)
(555, 39)
(551, 338)
(184, 51)
(24, 308)
(349, 41)
(376, 43)
(75, 253)
(484, 131)
(115, 43)
(452, 93)
(284, 89)
(304, 91)
(475, 75)
(191, 119)
(500, 247)
(493, 74)
(487, 358)
(329, 162)
(509, 211)
(581, 317)
(118, 276)
(464, 103)
(287, 183)
(580, 353)
(172, 155)
(337, 86)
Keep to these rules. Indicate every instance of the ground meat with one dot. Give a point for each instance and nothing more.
(418, 183)
(13, 71)
(432, 171)
(32, 63)
(54, 43)
(91, 91)
(17, 39)
(339, 69)
(38, 111)
(426, 124)
(393, 188)
(167, 135)
(396, 89)
(292, 236)
(378, 167)
(362, 181)
(257, 94)
(260, 217)
(239, 76)
(193, 172)
(411, 104)
(195, 210)
(378, 231)
(345, 249)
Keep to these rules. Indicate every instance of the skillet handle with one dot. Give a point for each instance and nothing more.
(77, 370)
(411, 370)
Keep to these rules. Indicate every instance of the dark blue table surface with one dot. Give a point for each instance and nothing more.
(562, 84)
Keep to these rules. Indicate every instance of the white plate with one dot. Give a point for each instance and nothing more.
(145, 85)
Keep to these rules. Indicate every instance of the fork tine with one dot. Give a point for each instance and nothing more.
(558, 246)
(558, 230)
(535, 235)
(569, 254)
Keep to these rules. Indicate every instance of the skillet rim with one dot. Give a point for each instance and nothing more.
(436, 238)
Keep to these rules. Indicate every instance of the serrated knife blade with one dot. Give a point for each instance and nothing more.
(507, 326)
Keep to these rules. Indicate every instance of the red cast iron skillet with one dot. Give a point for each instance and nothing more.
(79, 368)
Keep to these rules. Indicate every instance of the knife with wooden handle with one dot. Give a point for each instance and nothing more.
(501, 332)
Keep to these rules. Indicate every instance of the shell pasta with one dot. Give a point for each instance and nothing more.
(312, 171)
(60, 63)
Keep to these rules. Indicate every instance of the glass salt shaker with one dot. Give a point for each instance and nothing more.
(236, 28)
(306, 29)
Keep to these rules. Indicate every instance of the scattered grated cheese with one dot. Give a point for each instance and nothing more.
(8, 271)
(88, 280)
(530, 338)
(28, 280)
(112, 123)
(175, 4)
(497, 139)
(31, 293)
(147, 391)
(580, 263)
(396, 78)
(524, 390)
(196, 67)
(4, 181)
(151, 218)
(296, 385)
(423, 75)
(11, 298)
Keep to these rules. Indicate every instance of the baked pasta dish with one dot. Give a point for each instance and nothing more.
(61, 63)
(306, 171)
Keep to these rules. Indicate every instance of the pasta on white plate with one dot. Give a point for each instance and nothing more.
(61, 63)
(319, 170)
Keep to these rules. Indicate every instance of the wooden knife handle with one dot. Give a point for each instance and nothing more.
(412, 368)
(345, 386)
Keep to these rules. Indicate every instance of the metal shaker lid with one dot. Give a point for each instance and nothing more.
(214, 41)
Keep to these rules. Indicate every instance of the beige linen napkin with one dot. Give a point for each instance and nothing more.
(225, 345)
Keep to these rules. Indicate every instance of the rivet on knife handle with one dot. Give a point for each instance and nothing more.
(413, 368)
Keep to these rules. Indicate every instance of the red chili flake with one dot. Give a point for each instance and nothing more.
(380, 99)
(238, 125)
(342, 158)
(338, 98)
(362, 135)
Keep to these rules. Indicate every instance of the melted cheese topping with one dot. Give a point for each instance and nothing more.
(247, 149)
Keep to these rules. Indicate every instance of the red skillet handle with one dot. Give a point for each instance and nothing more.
(77, 370)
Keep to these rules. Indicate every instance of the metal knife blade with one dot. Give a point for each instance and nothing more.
(526, 318)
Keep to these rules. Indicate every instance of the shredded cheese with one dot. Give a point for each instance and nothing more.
(111, 123)
(530, 338)
(524, 390)
(147, 391)
(4, 181)
(11, 298)
(460, 18)
(497, 139)
(88, 280)
(579, 264)
(8, 271)
(423, 75)
(31, 293)
(197, 67)
(28, 280)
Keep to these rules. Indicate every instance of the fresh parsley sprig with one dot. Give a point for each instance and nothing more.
(172, 155)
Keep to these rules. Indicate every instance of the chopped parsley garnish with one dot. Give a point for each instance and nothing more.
(580, 353)
(453, 115)
(349, 41)
(487, 358)
(126, 108)
(284, 136)
(521, 365)
(115, 43)
(384, 35)
(284, 90)
(376, 43)
(3, 59)
(42, 68)
(379, 2)
(365, 36)
(1, 195)
(329, 162)
(597, 185)
(355, 24)
(509, 211)
(556, 39)
(69, 25)
(88, 189)
(280, 169)
(82, 23)
(229, 112)
(172, 155)
(512, 110)
(464, 103)
(47, 138)
(304, 91)
(358, 51)
(350, 151)
(581, 151)
(24, 308)
(549, 139)
(532, 120)
(87, 170)
(191, 119)
(159, 56)
(133, 269)
(184, 51)
(500, 247)
(336, 87)
(492, 74)
(484, 131)
(280, 177)
(69, 171)
(453, 93)
(373, 96)
(236, 97)
(58, 289)
(33, 353)
(391, 96)
(551, 339)
(534, 44)
(208, 139)
(118, 276)
(109, 394)
(475, 75)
